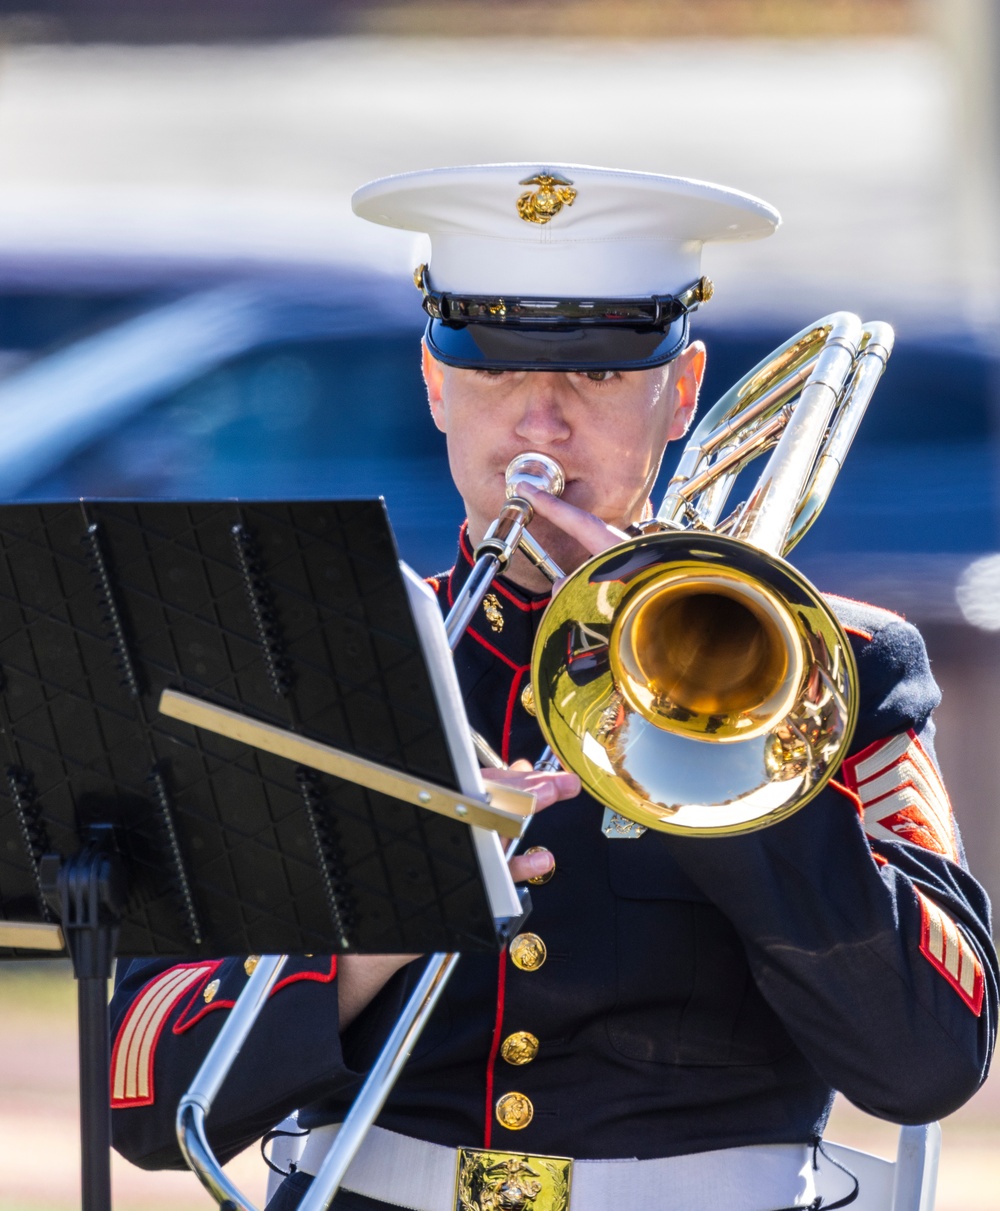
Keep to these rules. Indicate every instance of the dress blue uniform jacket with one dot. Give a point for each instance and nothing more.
(698, 993)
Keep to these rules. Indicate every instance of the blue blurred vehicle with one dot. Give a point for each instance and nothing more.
(286, 384)
(276, 387)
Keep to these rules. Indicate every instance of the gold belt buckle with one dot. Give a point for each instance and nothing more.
(511, 1181)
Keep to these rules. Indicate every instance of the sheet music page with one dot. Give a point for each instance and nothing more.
(500, 889)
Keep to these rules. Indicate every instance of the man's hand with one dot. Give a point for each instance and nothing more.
(585, 528)
(548, 788)
(360, 977)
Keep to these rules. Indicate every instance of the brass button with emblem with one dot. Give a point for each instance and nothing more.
(210, 991)
(538, 880)
(528, 952)
(519, 1048)
(514, 1111)
(528, 699)
(250, 964)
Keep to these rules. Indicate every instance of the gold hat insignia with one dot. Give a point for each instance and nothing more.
(553, 193)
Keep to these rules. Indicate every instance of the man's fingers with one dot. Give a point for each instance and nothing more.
(589, 531)
(547, 787)
(530, 866)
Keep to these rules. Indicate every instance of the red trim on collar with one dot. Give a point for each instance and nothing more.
(479, 638)
(859, 632)
(525, 606)
(495, 1047)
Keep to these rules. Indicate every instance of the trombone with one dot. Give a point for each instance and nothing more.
(696, 681)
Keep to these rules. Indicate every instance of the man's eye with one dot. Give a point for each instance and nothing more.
(492, 373)
(601, 376)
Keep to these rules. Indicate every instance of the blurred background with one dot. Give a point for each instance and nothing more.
(188, 308)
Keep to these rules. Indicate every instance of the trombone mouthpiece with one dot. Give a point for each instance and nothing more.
(536, 470)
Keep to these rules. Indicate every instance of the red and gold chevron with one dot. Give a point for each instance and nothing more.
(135, 1046)
(902, 796)
(948, 950)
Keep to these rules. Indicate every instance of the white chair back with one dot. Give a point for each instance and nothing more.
(908, 1183)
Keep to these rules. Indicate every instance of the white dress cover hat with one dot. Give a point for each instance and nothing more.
(561, 266)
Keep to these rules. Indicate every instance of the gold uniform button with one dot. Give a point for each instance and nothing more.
(210, 991)
(528, 699)
(250, 964)
(527, 952)
(519, 1048)
(538, 880)
(514, 1111)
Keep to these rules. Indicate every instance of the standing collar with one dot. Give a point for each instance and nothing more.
(508, 617)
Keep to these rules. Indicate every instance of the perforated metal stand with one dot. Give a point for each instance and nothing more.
(87, 892)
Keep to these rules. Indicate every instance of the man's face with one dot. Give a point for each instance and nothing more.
(607, 430)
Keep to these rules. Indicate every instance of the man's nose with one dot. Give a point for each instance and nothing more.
(543, 413)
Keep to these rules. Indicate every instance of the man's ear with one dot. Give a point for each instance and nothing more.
(434, 381)
(688, 372)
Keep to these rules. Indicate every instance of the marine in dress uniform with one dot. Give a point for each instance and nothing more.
(689, 1003)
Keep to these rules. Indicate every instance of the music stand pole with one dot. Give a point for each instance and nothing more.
(87, 892)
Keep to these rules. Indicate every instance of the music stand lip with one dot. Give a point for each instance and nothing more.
(503, 809)
(32, 935)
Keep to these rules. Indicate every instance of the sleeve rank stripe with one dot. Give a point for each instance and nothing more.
(132, 1061)
(902, 795)
(949, 952)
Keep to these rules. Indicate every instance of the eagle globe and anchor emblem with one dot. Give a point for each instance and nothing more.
(541, 204)
(510, 1181)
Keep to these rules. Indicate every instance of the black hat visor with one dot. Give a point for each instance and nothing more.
(490, 346)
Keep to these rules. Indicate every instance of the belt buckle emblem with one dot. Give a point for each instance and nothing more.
(511, 1181)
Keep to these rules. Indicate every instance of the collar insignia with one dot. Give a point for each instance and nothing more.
(493, 612)
(543, 203)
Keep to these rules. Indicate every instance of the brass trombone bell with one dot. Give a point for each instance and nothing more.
(671, 641)
(706, 652)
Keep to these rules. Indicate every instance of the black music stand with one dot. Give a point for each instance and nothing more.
(126, 831)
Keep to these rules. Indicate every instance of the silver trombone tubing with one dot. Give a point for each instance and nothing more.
(806, 402)
(506, 535)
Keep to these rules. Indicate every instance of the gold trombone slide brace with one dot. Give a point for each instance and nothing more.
(504, 809)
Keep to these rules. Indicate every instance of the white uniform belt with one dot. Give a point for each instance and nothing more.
(420, 1176)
